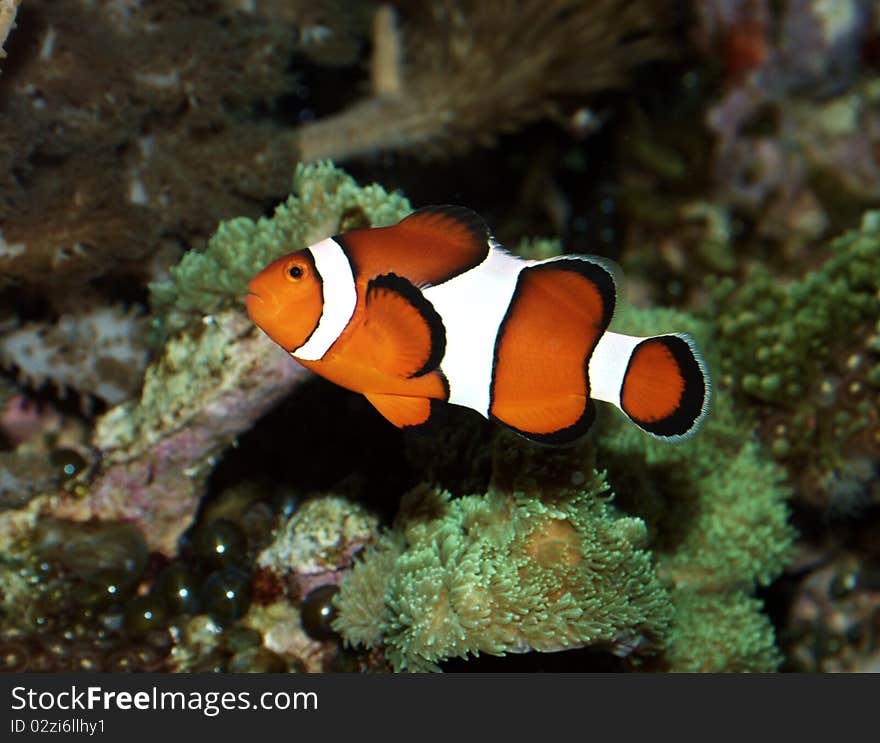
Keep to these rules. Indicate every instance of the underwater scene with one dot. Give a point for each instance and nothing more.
(440, 335)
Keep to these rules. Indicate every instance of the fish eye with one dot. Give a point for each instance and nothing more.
(295, 272)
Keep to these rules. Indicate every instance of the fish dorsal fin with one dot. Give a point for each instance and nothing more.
(429, 247)
(404, 333)
(456, 222)
(402, 410)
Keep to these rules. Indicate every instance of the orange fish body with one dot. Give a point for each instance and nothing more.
(433, 309)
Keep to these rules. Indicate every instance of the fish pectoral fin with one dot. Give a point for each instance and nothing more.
(402, 410)
(404, 333)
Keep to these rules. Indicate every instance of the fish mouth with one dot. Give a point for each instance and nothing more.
(262, 309)
(256, 306)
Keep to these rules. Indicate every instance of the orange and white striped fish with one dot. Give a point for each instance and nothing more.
(434, 309)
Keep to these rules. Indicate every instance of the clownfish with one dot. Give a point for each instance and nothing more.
(434, 310)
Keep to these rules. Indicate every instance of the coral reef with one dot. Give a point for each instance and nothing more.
(321, 538)
(453, 74)
(214, 378)
(799, 122)
(834, 617)
(99, 353)
(707, 519)
(150, 458)
(504, 572)
(210, 384)
(208, 514)
(806, 354)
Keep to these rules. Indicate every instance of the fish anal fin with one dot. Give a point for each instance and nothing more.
(403, 334)
(401, 410)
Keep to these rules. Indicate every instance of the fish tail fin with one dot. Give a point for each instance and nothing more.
(660, 382)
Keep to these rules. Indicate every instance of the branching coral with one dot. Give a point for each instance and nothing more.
(806, 353)
(458, 72)
(541, 559)
(325, 200)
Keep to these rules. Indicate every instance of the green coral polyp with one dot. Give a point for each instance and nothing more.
(775, 335)
(536, 563)
(801, 351)
(501, 573)
(720, 631)
(544, 560)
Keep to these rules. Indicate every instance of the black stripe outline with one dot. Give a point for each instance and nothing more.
(472, 222)
(469, 219)
(603, 279)
(310, 257)
(411, 294)
(694, 402)
(346, 249)
(562, 437)
(433, 415)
